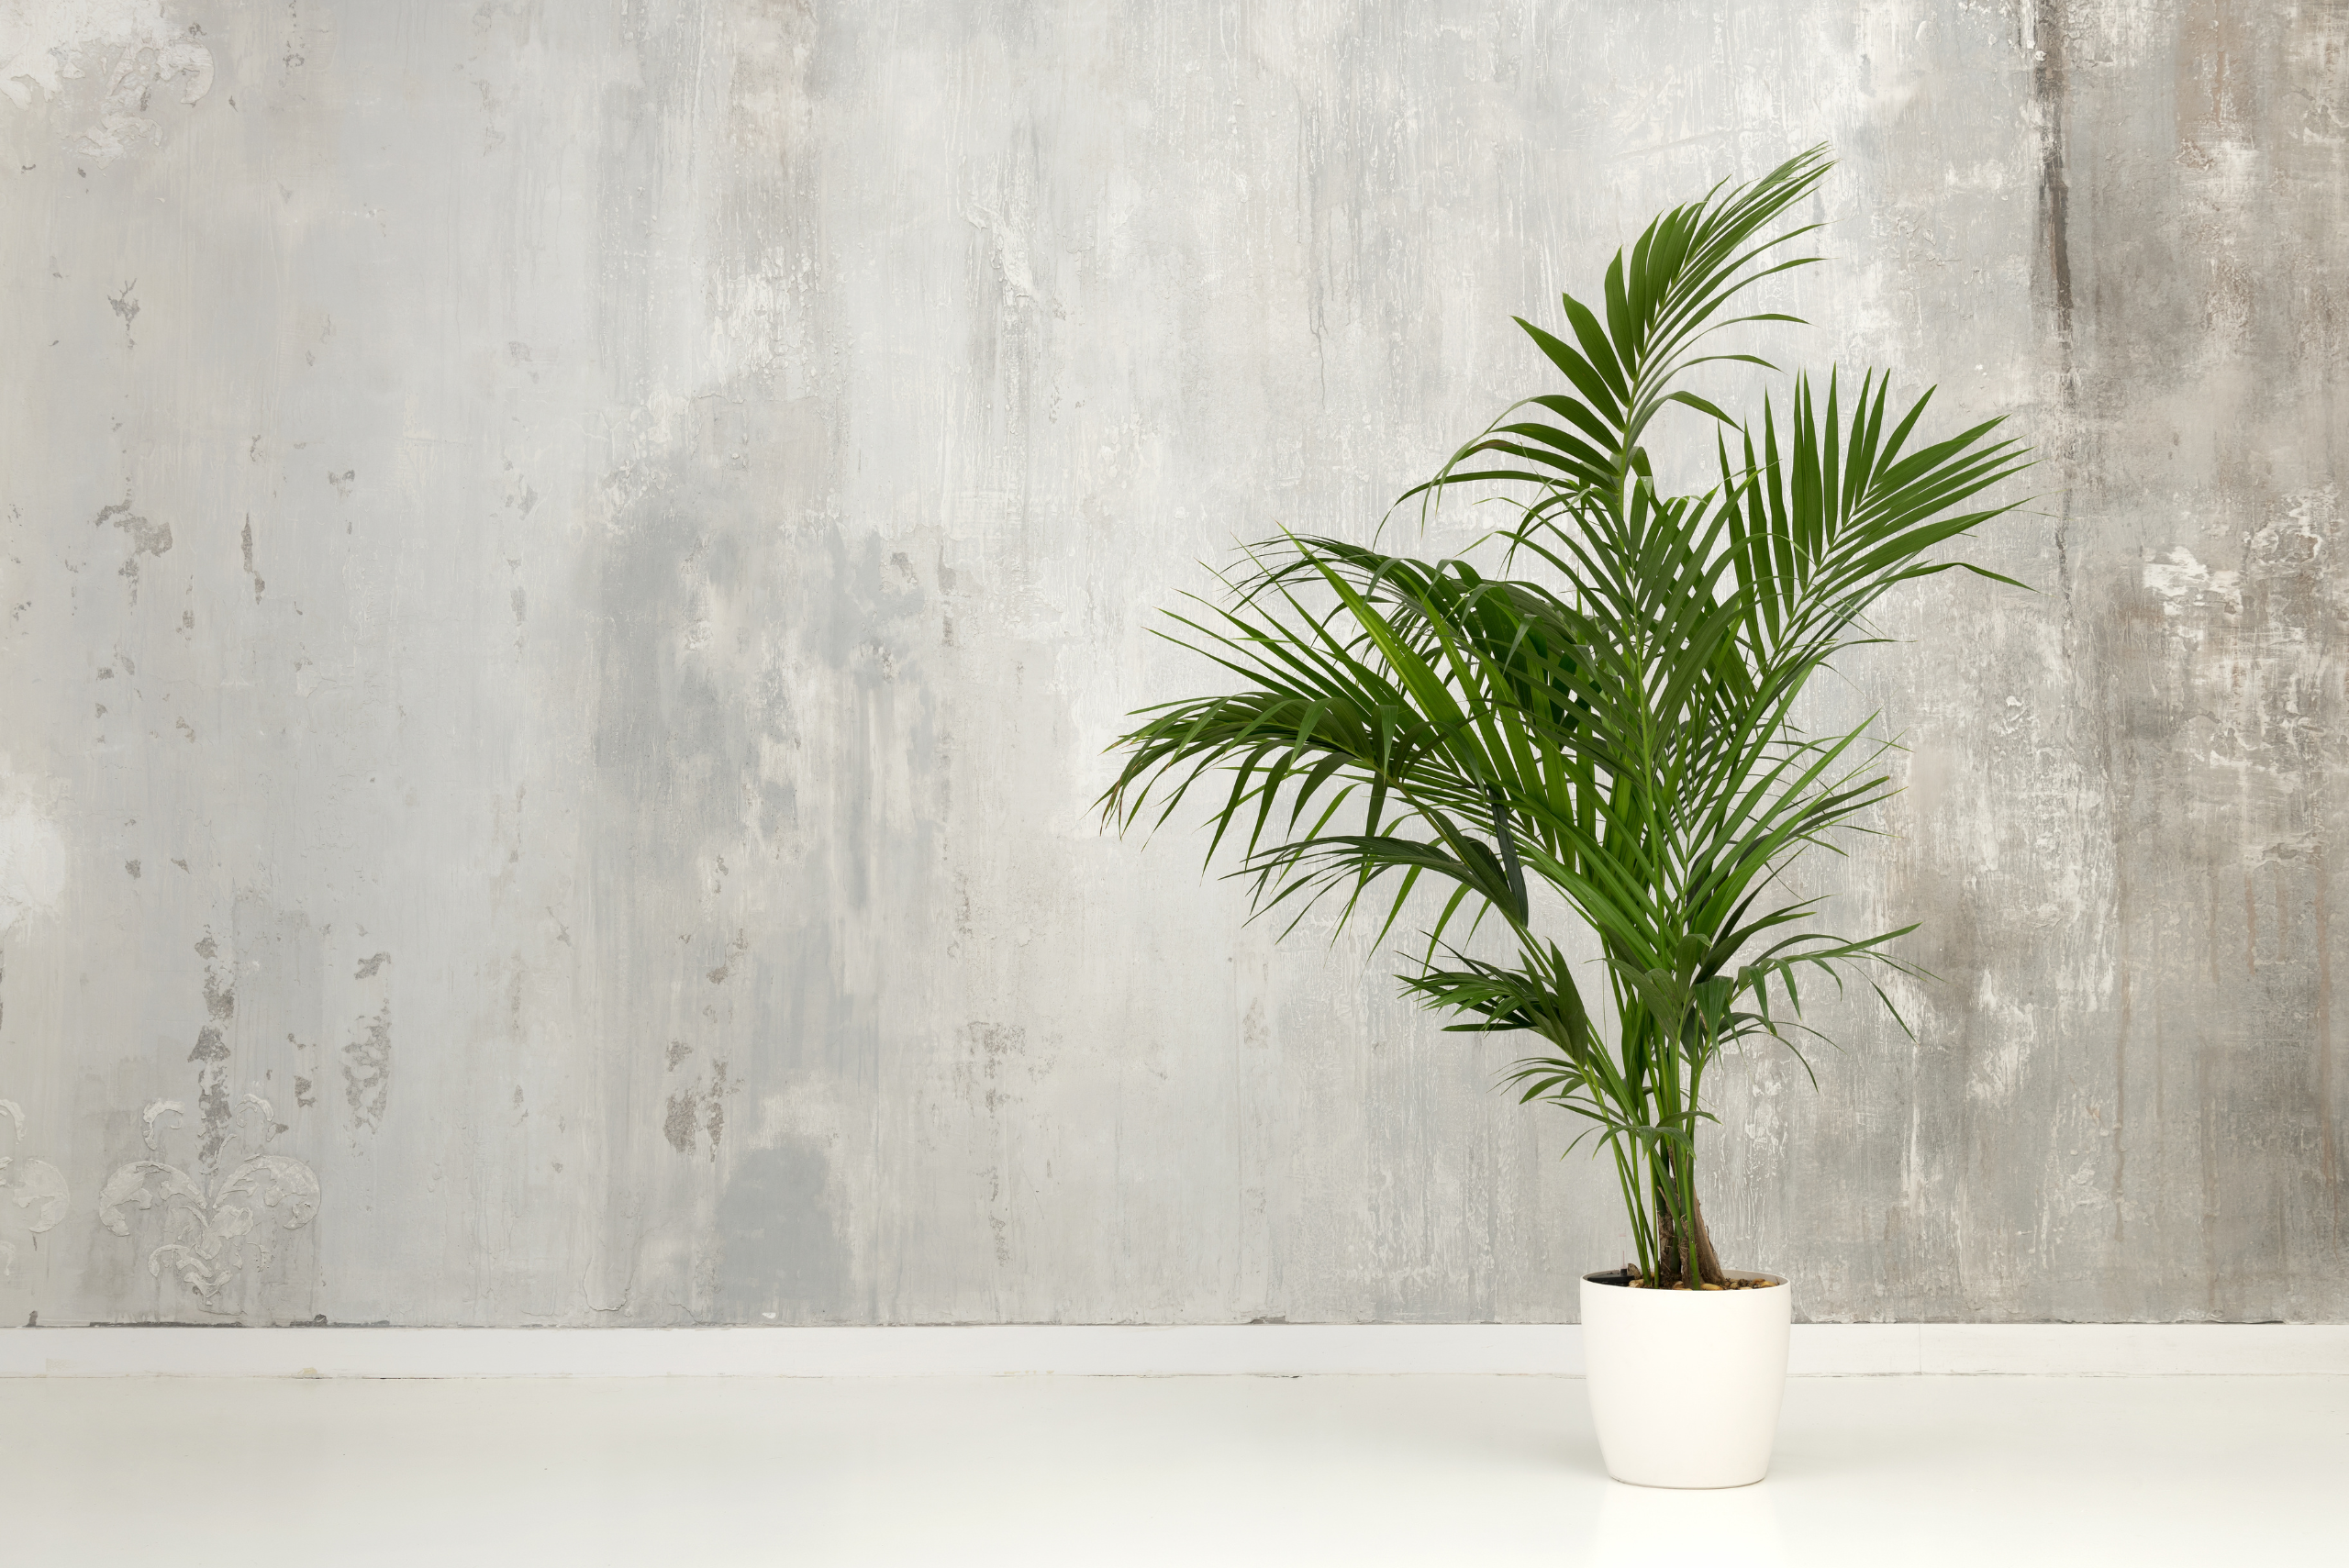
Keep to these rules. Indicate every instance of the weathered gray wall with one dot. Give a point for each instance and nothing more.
(567, 566)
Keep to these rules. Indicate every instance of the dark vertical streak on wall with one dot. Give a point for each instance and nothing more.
(2051, 99)
(2328, 1151)
(2049, 91)
(2121, 1113)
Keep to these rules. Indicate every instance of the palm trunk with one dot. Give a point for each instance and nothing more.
(1694, 1265)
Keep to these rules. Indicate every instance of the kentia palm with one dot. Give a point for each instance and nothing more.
(1621, 730)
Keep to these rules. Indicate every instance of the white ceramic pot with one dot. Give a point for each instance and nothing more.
(1685, 1385)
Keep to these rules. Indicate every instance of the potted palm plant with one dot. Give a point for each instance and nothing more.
(1602, 729)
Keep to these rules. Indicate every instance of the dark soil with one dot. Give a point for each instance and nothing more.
(1626, 1278)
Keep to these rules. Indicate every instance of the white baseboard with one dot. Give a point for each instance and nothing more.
(1820, 1350)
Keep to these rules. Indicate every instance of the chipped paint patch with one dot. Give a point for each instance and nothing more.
(698, 1111)
(47, 44)
(2184, 584)
(367, 1071)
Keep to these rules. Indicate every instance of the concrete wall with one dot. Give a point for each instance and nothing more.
(567, 567)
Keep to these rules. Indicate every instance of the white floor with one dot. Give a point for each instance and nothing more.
(1479, 1470)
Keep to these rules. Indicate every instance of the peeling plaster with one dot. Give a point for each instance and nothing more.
(138, 47)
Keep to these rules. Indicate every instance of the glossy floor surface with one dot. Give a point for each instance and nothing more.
(1357, 1471)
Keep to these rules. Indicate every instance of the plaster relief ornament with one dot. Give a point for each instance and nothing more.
(211, 1222)
(34, 1191)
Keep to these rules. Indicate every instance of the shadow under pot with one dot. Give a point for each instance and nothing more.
(1685, 1385)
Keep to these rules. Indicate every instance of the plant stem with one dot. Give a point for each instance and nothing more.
(1643, 1236)
(1686, 1245)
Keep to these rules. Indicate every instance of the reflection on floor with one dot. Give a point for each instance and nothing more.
(1468, 1471)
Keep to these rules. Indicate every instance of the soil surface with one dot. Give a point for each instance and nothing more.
(1626, 1278)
